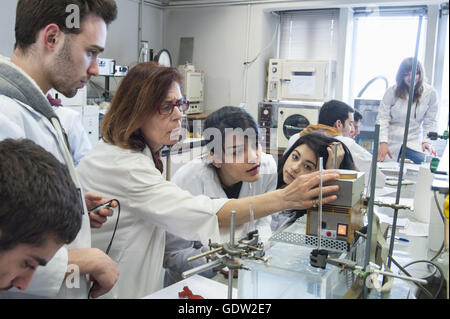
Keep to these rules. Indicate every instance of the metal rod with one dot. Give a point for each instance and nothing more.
(335, 156)
(201, 268)
(206, 253)
(405, 142)
(373, 173)
(252, 216)
(320, 203)
(416, 280)
(230, 283)
(140, 8)
(233, 215)
(231, 271)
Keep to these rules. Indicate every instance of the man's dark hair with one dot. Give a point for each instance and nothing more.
(33, 15)
(38, 199)
(334, 110)
(357, 116)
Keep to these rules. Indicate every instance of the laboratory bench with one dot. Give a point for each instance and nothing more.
(415, 240)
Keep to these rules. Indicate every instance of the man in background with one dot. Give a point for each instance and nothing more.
(336, 119)
(357, 117)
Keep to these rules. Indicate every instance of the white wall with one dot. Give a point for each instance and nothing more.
(7, 21)
(224, 38)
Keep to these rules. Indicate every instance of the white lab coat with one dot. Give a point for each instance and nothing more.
(361, 157)
(392, 119)
(198, 178)
(76, 134)
(149, 206)
(18, 120)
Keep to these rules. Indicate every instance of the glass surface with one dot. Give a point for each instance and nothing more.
(380, 45)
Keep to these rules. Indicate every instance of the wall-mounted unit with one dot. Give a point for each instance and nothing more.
(300, 80)
(192, 87)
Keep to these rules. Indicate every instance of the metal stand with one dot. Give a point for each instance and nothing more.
(228, 254)
(405, 141)
(373, 173)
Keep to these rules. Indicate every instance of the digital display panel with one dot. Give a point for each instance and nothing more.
(342, 229)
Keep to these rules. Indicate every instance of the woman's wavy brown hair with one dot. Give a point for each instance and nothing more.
(402, 90)
(138, 97)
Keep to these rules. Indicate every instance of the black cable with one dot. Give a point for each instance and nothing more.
(409, 275)
(114, 231)
(115, 227)
(435, 265)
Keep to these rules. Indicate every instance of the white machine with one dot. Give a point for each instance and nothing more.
(192, 88)
(293, 118)
(300, 80)
(106, 67)
(89, 113)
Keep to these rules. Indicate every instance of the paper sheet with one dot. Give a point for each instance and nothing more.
(401, 222)
(415, 229)
(384, 191)
(199, 285)
(394, 167)
(388, 165)
(302, 85)
(412, 167)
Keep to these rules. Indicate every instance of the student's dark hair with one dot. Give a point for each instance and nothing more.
(334, 110)
(33, 15)
(357, 116)
(38, 199)
(402, 89)
(318, 143)
(230, 117)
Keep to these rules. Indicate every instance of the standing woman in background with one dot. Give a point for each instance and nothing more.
(392, 115)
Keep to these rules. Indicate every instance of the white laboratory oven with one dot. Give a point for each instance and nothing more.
(293, 118)
(192, 87)
(300, 80)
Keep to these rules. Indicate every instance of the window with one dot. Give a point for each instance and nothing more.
(382, 38)
(309, 34)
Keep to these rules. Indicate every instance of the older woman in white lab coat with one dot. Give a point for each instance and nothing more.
(143, 116)
(392, 115)
(243, 171)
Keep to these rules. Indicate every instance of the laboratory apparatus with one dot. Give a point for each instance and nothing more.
(192, 87)
(301, 80)
(293, 117)
(343, 217)
(229, 254)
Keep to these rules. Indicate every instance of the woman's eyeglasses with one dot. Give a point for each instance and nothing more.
(167, 109)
